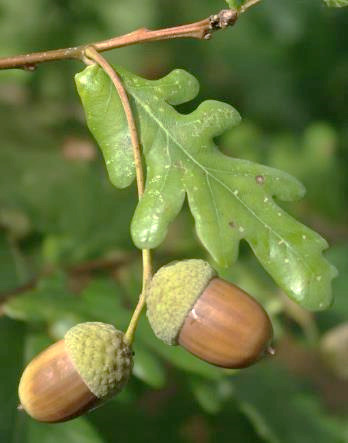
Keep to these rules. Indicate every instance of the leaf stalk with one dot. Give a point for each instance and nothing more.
(92, 54)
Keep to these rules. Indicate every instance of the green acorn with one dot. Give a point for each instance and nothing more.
(91, 364)
(187, 304)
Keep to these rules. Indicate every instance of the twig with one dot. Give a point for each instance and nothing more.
(94, 55)
(147, 275)
(199, 30)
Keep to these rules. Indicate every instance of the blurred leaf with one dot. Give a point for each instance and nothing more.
(76, 431)
(75, 201)
(339, 256)
(9, 277)
(334, 348)
(231, 199)
(15, 222)
(210, 395)
(49, 301)
(336, 3)
(35, 342)
(245, 141)
(11, 354)
(235, 4)
(148, 368)
(102, 300)
(53, 304)
(206, 396)
(313, 159)
(338, 312)
(282, 409)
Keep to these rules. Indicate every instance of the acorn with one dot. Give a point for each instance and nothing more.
(188, 305)
(89, 365)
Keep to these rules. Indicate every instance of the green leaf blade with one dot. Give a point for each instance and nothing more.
(230, 199)
(99, 99)
(235, 4)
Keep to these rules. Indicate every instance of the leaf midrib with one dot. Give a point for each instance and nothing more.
(147, 110)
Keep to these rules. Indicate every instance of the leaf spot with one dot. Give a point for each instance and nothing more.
(319, 277)
(260, 179)
(279, 214)
(241, 229)
(286, 260)
(265, 200)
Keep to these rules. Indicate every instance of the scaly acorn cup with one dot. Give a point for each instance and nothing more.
(211, 318)
(92, 363)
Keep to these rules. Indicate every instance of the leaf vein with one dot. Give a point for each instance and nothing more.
(148, 111)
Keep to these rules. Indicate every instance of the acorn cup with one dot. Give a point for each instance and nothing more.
(210, 317)
(76, 374)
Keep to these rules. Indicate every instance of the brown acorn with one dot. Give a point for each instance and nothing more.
(92, 363)
(210, 317)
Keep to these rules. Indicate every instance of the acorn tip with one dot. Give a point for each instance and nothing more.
(271, 351)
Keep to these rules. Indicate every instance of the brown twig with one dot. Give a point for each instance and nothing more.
(199, 30)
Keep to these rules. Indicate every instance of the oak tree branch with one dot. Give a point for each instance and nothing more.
(201, 30)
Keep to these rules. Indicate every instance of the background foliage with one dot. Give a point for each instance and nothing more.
(64, 230)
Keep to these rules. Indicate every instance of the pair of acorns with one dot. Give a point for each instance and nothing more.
(186, 304)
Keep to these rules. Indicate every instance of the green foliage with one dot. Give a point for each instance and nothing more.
(8, 272)
(338, 313)
(336, 3)
(77, 431)
(58, 304)
(83, 201)
(235, 4)
(12, 342)
(296, 416)
(230, 199)
(148, 368)
(284, 65)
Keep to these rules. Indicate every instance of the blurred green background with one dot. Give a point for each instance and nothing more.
(65, 250)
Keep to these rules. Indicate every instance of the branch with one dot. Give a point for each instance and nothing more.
(201, 30)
